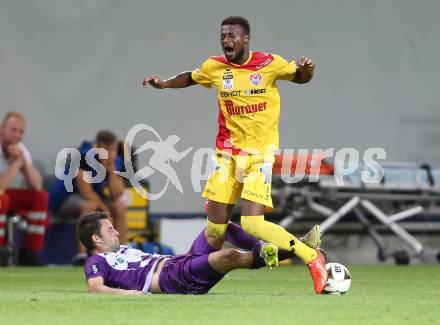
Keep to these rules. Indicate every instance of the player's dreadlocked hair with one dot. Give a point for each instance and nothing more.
(89, 225)
(238, 20)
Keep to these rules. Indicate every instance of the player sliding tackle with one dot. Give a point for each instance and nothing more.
(123, 270)
(249, 109)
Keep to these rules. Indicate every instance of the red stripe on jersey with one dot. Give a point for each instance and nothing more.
(223, 140)
(221, 59)
(257, 61)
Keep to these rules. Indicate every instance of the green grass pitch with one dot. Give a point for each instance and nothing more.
(379, 295)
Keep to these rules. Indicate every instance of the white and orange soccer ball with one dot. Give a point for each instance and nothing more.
(339, 279)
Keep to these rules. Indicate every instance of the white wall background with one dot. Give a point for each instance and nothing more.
(74, 67)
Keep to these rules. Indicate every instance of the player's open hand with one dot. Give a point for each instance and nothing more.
(154, 81)
(305, 64)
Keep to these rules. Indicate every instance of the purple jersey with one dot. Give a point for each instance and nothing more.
(127, 268)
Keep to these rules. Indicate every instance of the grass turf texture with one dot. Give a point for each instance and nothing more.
(379, 295)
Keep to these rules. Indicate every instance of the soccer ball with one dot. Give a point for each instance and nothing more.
(339, 279)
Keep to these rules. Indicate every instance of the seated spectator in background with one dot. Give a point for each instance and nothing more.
(105, 196)
(31, 203)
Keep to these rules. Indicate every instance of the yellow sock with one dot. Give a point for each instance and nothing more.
(216, 230)
(277, 235)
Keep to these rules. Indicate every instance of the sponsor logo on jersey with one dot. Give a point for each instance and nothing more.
(247, 92)
(244, 109)
(250, 92)
(209, 192)
(120, 260)
(255, 79)
(230, 93)
(266, 62)
(256, 195)
(228, 81)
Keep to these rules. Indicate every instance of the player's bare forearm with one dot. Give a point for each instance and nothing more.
(96, 285)
(182, 80)
(115, 291)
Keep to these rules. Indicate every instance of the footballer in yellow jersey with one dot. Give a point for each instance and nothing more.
(249, 109)
(248, 99)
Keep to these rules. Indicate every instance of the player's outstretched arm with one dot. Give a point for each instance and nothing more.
(182, 80)
(304, 71)
(96, 285)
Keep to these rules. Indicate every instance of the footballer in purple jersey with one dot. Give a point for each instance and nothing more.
(118, 269)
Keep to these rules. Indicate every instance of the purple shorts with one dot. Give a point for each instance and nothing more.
(188, 274)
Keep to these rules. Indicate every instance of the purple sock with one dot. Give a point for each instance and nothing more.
(258, 261)
(238, 237)
(201, 245)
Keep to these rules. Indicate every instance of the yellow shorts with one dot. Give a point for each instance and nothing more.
(234, 176)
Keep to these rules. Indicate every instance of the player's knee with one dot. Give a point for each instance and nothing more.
(216, 230)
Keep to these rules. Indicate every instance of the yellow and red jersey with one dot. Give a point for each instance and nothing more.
(248, 100)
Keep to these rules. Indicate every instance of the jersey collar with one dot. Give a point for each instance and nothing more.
(251, 53)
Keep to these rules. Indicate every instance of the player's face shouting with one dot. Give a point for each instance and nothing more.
(235, 43)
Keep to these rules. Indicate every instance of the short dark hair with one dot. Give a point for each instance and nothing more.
(89, 225)
(106, 137)
(238, 20)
